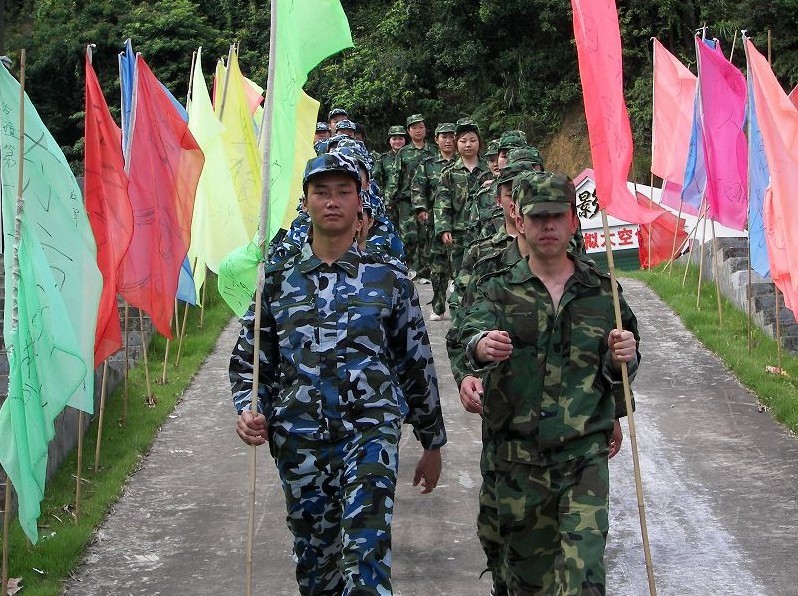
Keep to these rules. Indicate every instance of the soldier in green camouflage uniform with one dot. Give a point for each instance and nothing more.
(492, 157)
(344, 360)
(397, 193)
(456, 190)
(425, 184)
(544, 330)
(385, 164)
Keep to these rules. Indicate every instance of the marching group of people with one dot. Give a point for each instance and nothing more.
(345, 359)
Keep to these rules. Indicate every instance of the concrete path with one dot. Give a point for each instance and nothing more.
(720, 481)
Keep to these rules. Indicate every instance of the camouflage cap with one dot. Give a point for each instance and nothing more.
(413, 118)
(356, 149)
(345, 125)
(530, 154)
(544, 193)
(444, 127)
(466, 125)
(330, 162)
(397, 131)
(368, 204)
(337, 112)
(512, 140)
(333, 141)
(510, 171)
(322, 127)
(493, 148)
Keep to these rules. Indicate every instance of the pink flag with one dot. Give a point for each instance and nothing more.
(674, 95)
(794, 96)
(778, 123)
(723, 94)
(598, 44)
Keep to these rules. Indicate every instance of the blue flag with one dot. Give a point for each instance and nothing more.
(758, 182)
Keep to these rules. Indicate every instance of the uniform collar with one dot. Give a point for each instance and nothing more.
(349, 261)
(583, 274)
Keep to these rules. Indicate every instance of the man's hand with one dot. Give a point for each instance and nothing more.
(471, 392)
(422, 216)
(428, 470)
(623, 347)
(446, 238)
(252, 429)
(616, 439)
(494, 347)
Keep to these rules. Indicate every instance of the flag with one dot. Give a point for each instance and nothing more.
(217, 227)
(695, 171)
(778, 123)
(758, 182)
(56, 215)
(657, 239)
(598, 44)
(674, 98)
(307, 32)
(723, 96)
(108, 207)
(240, 144)
(127, 80)
(163, 165)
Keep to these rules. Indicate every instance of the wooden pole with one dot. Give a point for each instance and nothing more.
(182, 336)
(627, 392)
(750, 300)
(778, 327)
(202, 302)
(716, 273)
(6, 534)
(79, 474)
(262, 233)
(150, 395)
(103, 393)
(174, 316)
(127, 361)
(701, 262)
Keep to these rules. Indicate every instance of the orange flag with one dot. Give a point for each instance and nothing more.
(778, 123)
(598, 45)
(674, 97)
(108, 207)
(164, 166)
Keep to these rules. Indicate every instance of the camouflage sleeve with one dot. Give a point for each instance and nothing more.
(415, 368)
(442, 205)
(419, 188)
(378, 173)
(481, 316)
(242, 361)
(391, 181)
(614, 379)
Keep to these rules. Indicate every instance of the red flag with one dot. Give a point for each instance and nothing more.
(164, 166)
(656, 239)
(598, 44)
(108, 207)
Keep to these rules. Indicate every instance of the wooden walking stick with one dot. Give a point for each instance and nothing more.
(627, 392)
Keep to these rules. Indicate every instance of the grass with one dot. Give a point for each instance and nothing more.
(729, 340)
(62, 539)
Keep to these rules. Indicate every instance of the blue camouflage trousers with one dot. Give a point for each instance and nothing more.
(339, 499)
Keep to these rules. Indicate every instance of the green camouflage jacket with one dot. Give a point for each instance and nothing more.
(454, 194)
(408, 158)
(556, 397)
(425, 182)
(481, 209)
(384, 167)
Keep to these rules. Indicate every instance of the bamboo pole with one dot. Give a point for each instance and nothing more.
(127, 362)
(150, 395)
(701, 262)
(79, 473)
(262, 233)
(174, 317)
(182, 336)
(716, 273)
(202, 302)
(6, 534)
(750, 296)
(778, 327)
(100, 421)
(627, 392)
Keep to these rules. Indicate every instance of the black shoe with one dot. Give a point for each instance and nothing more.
(500, 590)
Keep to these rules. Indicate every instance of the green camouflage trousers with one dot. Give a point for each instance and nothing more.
(408, 230)
(487, 518)
(553, 523)
(440, 267)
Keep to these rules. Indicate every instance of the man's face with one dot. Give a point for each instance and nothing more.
(445, 142)
(333, 202)
(348, 132)
(321, 135)
(493, 163)
(501, 158)
(397, 142)
(547, 235)
(334, 123)
(417, 131)
(504, 198)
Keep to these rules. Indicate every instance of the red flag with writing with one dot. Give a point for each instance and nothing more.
(108, 207)
(163, 166)
(598, 44)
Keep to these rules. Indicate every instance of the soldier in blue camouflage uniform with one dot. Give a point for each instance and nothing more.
(344, 361)
(544, 330)
(422, 193)
(397, 193)
(455, 192)
(385, 164)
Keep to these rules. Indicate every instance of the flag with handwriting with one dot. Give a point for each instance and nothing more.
(674, 98)
(778, 123)
(163, 165)
(758, 183)
(598, 45)
(108, 207)
(723, 95)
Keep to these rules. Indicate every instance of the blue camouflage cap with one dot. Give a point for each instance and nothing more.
(356, 149)
(330, 162)
(322, 127)
(544, 193)
(345, 125)
(337, 112)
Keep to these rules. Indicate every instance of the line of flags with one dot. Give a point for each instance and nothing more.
(169, 193)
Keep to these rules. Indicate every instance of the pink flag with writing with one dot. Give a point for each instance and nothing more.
(598, 45)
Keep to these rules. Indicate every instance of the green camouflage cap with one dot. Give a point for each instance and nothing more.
(493, 148)
(509, 172)
(397, 131)
(544, 193)
(513, 139)
(414, 118)
(529, 154)
(445, 127)
(466, 125)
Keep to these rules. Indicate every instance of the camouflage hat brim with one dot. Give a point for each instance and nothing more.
(547, 208)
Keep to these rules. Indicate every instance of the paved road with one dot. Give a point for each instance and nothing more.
(720, 483)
